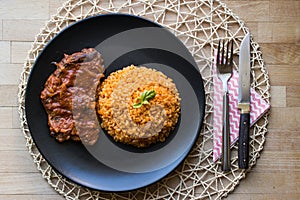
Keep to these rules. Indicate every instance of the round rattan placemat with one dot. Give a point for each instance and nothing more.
(199, 25)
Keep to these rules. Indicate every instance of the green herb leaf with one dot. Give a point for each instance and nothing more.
(137, 105)
(151, 94)
(145, 97)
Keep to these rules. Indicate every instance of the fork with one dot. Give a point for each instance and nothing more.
(224, 71)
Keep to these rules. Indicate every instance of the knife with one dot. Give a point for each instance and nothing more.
(244, 102)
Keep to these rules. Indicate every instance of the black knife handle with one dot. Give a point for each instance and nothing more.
(226, 159)
(243, 151)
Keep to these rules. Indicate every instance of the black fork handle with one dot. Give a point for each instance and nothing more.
(226, 159)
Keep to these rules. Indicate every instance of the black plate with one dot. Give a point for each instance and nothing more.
(122, 40)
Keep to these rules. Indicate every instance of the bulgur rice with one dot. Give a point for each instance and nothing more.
(147, 124)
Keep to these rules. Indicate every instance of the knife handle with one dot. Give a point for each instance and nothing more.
(243, 149)
(226, 135)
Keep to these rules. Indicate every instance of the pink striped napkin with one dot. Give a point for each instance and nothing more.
(258, 107)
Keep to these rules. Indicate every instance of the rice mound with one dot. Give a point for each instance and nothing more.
(143, 126)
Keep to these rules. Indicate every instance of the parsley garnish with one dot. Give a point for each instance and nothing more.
(145, 97)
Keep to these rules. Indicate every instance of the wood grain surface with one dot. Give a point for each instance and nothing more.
(275, 25)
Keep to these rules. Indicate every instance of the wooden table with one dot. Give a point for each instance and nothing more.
(275, 25)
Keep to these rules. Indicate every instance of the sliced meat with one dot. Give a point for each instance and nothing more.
(69, 96)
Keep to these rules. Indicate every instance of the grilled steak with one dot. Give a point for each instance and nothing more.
(69, 96)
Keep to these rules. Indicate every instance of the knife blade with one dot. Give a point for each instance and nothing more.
(244, 102)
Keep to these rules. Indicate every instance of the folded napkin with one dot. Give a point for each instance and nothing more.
(258, 107)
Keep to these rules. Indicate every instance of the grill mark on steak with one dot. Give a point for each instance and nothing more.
(69, 97)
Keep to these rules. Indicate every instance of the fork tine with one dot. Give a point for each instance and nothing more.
(231, 54)
(218, 53)
(223, 49)
(227, 53)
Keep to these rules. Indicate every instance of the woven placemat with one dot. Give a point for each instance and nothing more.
(199, 25)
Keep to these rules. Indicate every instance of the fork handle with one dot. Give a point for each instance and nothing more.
(226, 135)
